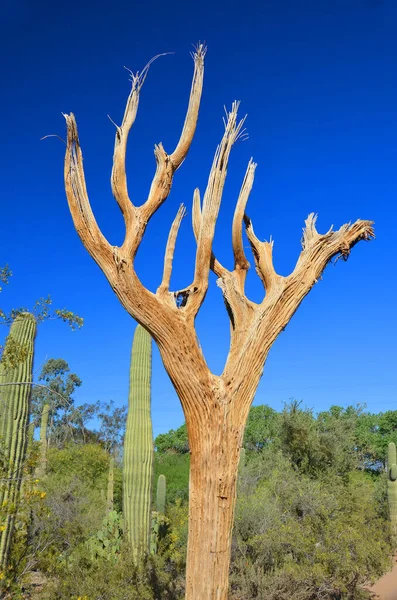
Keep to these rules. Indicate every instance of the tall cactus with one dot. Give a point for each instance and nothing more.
(392, 485)
(160, 494)
(14, 423)
(138, 447)
(42, 466)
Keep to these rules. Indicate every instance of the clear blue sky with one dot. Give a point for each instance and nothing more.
(319, 83)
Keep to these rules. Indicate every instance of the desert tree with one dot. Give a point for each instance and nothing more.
(41, 311)
(215, 407)
(56, 393)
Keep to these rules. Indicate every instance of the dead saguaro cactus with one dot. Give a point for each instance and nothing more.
(215, 407)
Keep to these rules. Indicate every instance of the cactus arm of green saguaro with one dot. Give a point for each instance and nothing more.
(392, 485)
(160, 494)
(138, 447)
(110, 494)
(42, 467)
(14, 421)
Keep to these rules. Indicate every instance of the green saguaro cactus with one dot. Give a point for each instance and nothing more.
(392, 484)
(14, 422)
(138, 446)
(160, 494)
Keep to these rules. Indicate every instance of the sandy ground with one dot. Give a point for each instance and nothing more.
(386, 587)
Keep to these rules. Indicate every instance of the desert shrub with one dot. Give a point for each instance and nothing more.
(262, 429)
(174, 545)
(70, 510)
(103, 579)
(88, 462)
(311, 517)
(175, 467)
(174, 440)
(302, 538)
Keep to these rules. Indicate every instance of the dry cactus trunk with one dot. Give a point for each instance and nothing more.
(215, 407)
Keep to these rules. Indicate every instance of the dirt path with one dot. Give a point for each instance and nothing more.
(386, 587)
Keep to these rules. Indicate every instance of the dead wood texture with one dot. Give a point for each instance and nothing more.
(215, 407)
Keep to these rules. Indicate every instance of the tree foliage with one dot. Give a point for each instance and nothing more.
(112, 421)
(173, 441)
(42, 311)
(59, 385)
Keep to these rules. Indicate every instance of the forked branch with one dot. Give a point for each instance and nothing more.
(263, 257)
(211, 204)
(241, 264)
(168, 164)
(136, 219)
(285, 294)
(170, 250)
(119, 176)
(170, 311)
(318, 249)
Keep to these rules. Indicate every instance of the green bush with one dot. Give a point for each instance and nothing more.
(88, 462)
(174, 440)
(311, 519)
(83, 578)
(175, 467)
(300, 538)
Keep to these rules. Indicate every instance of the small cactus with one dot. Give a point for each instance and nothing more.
(160, 495)
(392, 485)
(106, 543)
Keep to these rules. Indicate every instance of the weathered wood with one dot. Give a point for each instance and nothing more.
(215, 407)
